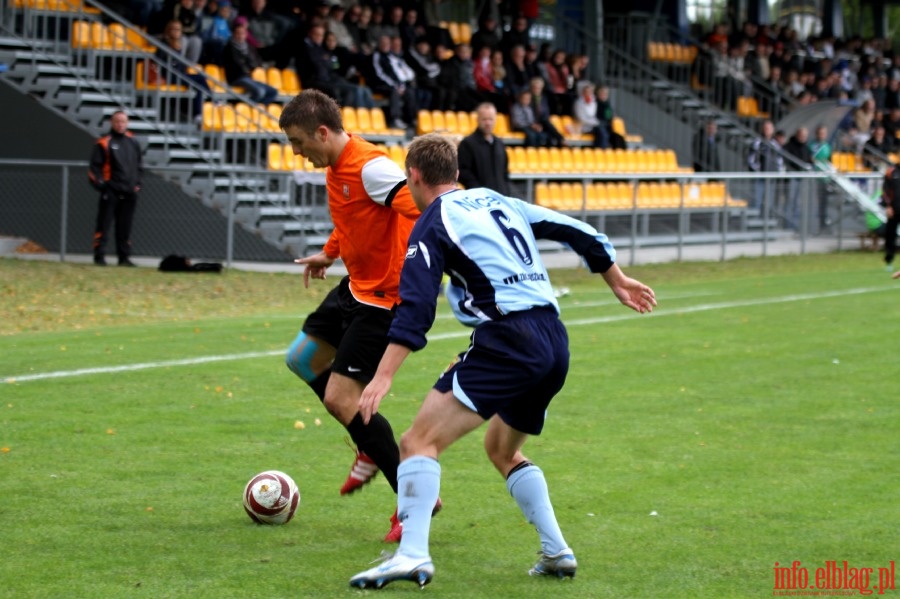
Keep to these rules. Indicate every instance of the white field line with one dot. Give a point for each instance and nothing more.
(452, 335)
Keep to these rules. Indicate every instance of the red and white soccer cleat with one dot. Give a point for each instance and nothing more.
(362, 471)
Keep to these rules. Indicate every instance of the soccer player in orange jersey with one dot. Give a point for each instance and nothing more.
(338, 349)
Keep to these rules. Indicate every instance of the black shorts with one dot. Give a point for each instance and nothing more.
(513, 368)
(358, 331)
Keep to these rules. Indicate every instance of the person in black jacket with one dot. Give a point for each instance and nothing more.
(706, 149)
(798, 147)
(482, 156)
(890, 198)
(115, 170)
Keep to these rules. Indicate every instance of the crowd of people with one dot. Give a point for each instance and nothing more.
(771, 63)
(392, 55)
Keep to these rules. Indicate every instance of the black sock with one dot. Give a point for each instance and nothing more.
(519, 466)
(376, 440)
(318, 385)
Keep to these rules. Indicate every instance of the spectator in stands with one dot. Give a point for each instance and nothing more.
(143, 11)
(239, 59)
(863, 116)
(584, 111)
(379, 27)
(523, 119)
(410, 29)
(183, 12)
(487, 35)
(458, 80)
(336, 25)
(271, 33)
(394, 79)
(489, 74)
(706, 149)
(797, 147)
(345, 74)
(877, 148)
(892, 124)
(428, 72)
(482, 156)
(217, 35)
(517, 35)
(351, 24)
(518, 72)
(175, 69)
(364, 31)
(764, 157)
(116, 170)
(541, 109)
(557, 76)
(317, 71)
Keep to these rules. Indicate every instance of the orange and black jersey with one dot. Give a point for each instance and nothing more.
(373, 214)
(116, 163)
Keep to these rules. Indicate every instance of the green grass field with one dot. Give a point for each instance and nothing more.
(751, 419)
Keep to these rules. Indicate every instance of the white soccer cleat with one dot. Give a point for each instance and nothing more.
(397, 567)
(561, 565)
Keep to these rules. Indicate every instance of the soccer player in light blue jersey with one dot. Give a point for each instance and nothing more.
(518, 355)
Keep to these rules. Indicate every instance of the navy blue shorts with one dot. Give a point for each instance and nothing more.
(513, 367)
(358, 331)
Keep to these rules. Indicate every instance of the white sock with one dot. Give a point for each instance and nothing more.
(418, 487)
(529, 488)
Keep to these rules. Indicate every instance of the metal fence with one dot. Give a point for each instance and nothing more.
(51, 203)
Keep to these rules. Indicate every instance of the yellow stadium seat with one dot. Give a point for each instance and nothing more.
(438, 123)
(424, 124)
(259, 74)
(532, 160)
(465, 33)
(542, 194)
(452, 121)
(290, 161)
(273, 78)
(364, 120)
(81, 34)
(118, 38)
(348, 116)
(290, 82)
(275, 156)
(545, 165)
(555, 160)
(397, 153)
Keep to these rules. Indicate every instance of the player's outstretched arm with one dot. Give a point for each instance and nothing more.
(316, 266)
(630, 292)
(380, 384)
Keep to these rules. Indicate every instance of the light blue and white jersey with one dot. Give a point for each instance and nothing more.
(486, 242)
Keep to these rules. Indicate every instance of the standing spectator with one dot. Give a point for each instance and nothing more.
(337, 350)
(863, 117)
(239, 59)
(116, 170)
(517, 359)
(890, 198)
(706, 149)
(820, 151)
(482, 156)
(764, 157)
(798, 147)
(338, 27)
(394, 79)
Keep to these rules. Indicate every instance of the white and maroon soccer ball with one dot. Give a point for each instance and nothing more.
(271, 497)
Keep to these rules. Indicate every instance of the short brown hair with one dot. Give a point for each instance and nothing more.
(311, 109)
(435, 157)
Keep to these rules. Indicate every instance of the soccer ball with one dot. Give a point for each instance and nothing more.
(271, 497)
